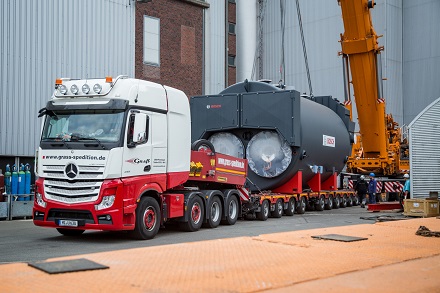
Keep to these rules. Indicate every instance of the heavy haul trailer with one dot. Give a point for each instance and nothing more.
(295, 146)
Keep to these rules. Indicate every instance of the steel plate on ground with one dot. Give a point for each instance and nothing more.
(337, 237)
(67, 266)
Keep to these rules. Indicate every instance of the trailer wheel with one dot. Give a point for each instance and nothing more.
(319, 206)
(202, 145)
(290, 207)
(147, 219)
(336, 202)
(301, 208)
(278, 212)
(329, 203)
(355, 200)
(70, 232)
(264, 213)
(215, 213)
(349, 201)
(343, 203)
(231, 211)
(195, 215)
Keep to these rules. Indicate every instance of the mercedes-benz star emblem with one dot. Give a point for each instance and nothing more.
(71, 170)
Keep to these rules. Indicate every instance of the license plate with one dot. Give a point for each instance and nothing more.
(68, 223)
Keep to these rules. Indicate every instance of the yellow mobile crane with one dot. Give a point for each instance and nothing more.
(379, 147)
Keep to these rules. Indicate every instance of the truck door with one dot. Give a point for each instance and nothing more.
(138, 145)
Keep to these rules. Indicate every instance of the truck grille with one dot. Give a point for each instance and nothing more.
(82, 172)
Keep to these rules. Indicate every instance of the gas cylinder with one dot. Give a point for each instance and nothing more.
(14, 180)
(8, 179)
(27, 180)
(21, 182)
(2, 185)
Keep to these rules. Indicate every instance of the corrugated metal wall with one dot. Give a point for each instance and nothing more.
(424, 137)
(215, 52)
(45, 39)
(421, 68)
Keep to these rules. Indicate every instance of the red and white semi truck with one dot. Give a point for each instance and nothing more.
(117, 154)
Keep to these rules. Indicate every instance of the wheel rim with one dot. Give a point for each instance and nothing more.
(266, 208)
(322, 202)
(280, 207)
(232, 209)
(196, 213)
(292, 206)
(330, 201)
(215, 211)
(303, 203)
(150, 218)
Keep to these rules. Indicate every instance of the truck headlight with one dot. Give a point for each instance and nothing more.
(107, 202)
(74, 89)
(39, 200)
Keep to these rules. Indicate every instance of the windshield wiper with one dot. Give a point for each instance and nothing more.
(78, 138)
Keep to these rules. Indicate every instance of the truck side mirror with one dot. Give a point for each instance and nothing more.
(137, 129)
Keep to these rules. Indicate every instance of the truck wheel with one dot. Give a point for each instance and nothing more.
(349, 201)
(319, 206)
(329, 203)
(343, 203)
(278, 212)
(355, 200)
(301, 208)
(147, 219)
(336, 202)
(202, 145)
(70, 232)
(264, 213)
(231, 211)
(290, 207)
(195, 215)
(215, 213)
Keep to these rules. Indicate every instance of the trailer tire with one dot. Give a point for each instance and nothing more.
(290, 207)
(329, 204)
(202, 145)
(232, 211)
(349, 201)
(147, 222)
(195, 215)
(336, 202)
(343, 203)
(355, 200)
(279, 207)
(301, 207)
(319, 206)
(215, 213)
(264, 213)
(70, 232)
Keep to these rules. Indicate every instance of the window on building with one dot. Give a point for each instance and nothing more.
(151, 40)
(231, 29)
(231, 60)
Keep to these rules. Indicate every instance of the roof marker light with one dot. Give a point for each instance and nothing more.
(97, 88)
(108, 79)
(58, 81)
(85, 88)
(74, 89)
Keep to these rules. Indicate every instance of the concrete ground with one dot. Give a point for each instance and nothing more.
(392, 259)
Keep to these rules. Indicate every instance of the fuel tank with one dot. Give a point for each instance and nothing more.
(276, 130)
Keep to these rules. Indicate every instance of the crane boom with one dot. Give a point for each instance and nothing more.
(379, 149)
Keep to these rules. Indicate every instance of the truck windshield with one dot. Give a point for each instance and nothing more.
(102, 125)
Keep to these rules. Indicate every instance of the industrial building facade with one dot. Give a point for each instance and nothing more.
(201, 47)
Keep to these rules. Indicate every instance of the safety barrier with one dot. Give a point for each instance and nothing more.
(16, 206)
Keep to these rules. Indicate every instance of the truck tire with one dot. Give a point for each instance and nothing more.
(301, 207)
(147, 219)
(195, 215)
(329, 203)
(264, 213)
(349, 201)
(232, 211)
(290, 207)
(202, 145)
(70, 232)
(355, 200)
(215, 213)
(279, 207)
(320, 204)
(336, 201)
